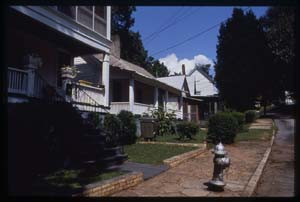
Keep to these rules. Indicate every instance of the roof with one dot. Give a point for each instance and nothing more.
(202, 72)
(123, 64)
(175, 81)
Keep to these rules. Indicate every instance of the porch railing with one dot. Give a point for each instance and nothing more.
(140, 108)
(81, 97)
(17, 81)
(116, 107)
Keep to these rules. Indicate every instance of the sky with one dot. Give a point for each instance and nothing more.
(163, 26)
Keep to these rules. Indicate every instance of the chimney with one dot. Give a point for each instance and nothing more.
(116, 46)
(183, 69)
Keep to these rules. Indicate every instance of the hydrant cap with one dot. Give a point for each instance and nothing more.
(219, 149)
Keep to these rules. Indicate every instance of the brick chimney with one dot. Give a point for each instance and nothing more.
(183, 69)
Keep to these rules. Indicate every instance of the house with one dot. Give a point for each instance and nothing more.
(202, 86)
(131, 87)
(40, 40)
(190, 104)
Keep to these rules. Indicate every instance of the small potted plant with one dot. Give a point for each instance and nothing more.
(69, 72)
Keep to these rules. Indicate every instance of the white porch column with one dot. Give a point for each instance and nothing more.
(155, 97)
(108, 22)
(30, 87)
(181, 105)
(216, 107)
(166, 100)
(189, 112)
(131, 95)
(105, 78)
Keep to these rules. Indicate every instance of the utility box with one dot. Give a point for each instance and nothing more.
(148, 128)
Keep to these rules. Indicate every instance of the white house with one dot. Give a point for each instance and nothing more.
(40, 40)
(202, 86)
(131, 87)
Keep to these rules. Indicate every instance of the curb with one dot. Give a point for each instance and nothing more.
(201, 145)
(111, 186)
(252, 183)
(176, 160)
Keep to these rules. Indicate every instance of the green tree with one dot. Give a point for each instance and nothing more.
(241, 60)
(279, 27)
(132, 48)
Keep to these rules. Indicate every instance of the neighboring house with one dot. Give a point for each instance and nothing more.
(42, 39)
(202, 86)
(190, 105)
(132, 88)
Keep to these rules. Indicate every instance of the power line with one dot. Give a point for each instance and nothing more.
(192, 37)
(172, 24)
(162, 25)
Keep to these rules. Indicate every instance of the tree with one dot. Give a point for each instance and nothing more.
(241, 63)
(132, 48)
(279, 27)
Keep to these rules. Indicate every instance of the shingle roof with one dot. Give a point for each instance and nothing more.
(123, 64)
(175, 81)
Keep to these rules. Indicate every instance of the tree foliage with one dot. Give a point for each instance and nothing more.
(279, 27)
(132, 48)
(242, 60)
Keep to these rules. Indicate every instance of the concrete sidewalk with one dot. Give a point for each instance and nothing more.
(187, 178)
(264, 123)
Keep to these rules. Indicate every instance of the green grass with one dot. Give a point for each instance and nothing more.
(70, 180)
(198, 138)
(154, 153)
(254, 134)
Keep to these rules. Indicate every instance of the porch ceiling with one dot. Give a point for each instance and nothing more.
(16, 20)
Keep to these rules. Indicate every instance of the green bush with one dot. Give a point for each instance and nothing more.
(164, 120)
(128, 128)
(112, 125)
(250, 116)
(240, 117)
(187, 129)
(222, 127)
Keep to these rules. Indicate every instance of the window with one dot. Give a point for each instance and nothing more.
(93, 17)
(68, 10)
(85, 16)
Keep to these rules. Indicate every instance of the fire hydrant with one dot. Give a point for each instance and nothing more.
(221, 162)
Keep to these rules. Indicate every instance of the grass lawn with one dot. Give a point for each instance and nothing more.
(198, 138)
(254, 134)
(154, 153)
(69, 180)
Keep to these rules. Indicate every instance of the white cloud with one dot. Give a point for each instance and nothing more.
(174, 64)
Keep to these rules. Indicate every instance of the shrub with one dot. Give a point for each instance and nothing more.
(240, 117)
(112, 126)
(250, 116)
(128, 128)
(187, 129)
(164, 120)
(222, 127)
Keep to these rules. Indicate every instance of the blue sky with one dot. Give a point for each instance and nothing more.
(187, 21)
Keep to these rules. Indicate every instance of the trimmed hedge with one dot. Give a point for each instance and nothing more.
(250, 116)
(112, 125)
(240, 117)
(222, 126)
(187, 129)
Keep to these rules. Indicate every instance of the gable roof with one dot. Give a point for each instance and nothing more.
(202, 72)
(175, 81)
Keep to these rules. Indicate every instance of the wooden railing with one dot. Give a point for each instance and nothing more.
(81, 98)
(17, 81)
